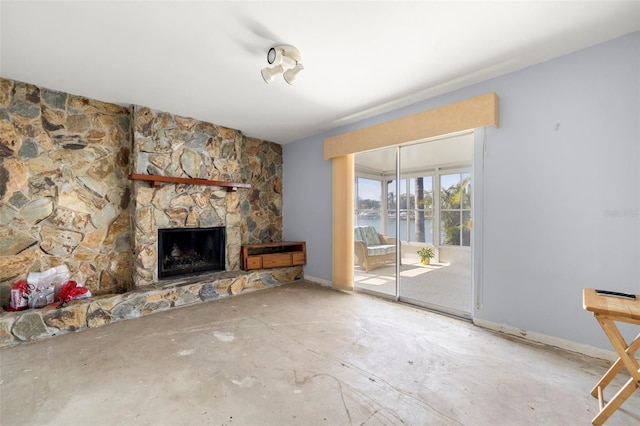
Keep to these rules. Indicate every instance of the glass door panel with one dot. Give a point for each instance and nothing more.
(435, 203)
(375, 227)
(423, 207)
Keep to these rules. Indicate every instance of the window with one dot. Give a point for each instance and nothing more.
(369, 202)
(414, 208)
(380, 204)
(455, 209)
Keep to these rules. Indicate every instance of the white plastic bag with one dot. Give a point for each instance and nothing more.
(41, 297)
(53, 277)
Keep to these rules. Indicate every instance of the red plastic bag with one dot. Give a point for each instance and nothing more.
(71, 290)
(19, 294)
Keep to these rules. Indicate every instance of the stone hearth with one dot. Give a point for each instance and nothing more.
(37, 324)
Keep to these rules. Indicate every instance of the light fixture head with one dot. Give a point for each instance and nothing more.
(274, 56)
(284, 59)
(291, 74)
(270, 73)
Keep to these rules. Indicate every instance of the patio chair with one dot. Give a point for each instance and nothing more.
(373, 249)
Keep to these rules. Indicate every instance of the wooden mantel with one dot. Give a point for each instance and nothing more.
(157, 180)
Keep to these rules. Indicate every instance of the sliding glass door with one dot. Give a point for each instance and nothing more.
(374, 244)
(418, 197)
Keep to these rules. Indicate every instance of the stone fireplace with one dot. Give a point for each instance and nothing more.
(66, 197)
(168, 145)
(185, 252)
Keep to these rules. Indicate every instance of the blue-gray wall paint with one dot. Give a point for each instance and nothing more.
(561, 189)
(307, 211)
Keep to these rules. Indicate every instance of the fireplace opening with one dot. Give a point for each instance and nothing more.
(190, 251)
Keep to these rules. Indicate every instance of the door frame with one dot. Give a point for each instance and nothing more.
(473, 113)
(399, 178)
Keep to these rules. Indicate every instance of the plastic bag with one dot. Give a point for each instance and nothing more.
(19, 292)
(41, 297)
(71, 290)
(53, 277)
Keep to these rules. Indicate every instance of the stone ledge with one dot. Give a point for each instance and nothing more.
(36, 324)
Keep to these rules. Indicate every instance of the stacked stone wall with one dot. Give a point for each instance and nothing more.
(261, 206)
(64, 189)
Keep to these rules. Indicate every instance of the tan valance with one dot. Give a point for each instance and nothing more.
(472, 113)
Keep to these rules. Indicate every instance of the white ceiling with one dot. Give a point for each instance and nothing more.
(202, 59)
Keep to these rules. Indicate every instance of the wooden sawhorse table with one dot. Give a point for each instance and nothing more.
(607, 309)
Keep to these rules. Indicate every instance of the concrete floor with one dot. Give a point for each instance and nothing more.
(298, 354)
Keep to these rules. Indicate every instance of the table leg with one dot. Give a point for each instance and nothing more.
(616, 367)
(627, 359)
(610, 407)
(620, 345)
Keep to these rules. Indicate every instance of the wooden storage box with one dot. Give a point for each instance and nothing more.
(273, 255)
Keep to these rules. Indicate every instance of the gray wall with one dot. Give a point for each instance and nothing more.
(561, 189)
(307, 203)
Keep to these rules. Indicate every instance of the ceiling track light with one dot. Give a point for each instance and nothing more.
(285, 60)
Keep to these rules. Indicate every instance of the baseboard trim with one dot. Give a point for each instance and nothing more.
(548, 340)
(318, 281)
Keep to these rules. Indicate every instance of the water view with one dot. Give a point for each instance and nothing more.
(406, 226)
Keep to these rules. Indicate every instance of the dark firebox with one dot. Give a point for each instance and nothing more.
(190, 251)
